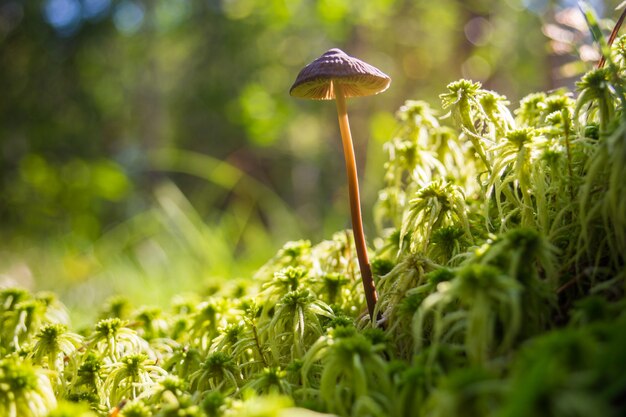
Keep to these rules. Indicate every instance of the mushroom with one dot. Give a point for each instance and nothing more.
(335, 75)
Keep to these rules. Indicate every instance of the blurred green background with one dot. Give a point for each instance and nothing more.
(150, 147)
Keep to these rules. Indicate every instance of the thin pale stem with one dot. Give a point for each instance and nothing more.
(355, 204)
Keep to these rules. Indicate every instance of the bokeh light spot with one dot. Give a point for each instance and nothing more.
(95, 9)
(333, 10)
(109, 181)
(62, 14)
(257, 103)
(128, 17)
(478, 31)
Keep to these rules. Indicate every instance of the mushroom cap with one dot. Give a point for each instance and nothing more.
(356, 77)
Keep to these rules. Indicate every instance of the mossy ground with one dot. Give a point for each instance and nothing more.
(499, 262)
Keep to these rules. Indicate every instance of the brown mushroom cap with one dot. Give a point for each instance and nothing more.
(356, 77)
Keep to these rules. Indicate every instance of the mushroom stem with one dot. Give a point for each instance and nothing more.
(355, 203)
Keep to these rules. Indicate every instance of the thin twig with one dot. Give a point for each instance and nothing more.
(612, 37)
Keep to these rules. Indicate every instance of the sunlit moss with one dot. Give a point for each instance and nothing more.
(499, 265)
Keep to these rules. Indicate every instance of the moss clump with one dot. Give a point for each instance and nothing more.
(500, 265)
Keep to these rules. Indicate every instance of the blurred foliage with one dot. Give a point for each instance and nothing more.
(99, 97)
(90, 86)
